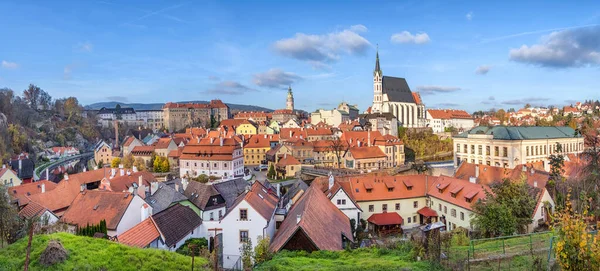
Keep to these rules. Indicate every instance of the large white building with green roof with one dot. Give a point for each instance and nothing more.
(511, 146)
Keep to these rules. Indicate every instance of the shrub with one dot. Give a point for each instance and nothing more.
(200, 243)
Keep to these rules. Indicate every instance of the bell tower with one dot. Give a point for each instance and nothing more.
(289, 105)
(377, 86)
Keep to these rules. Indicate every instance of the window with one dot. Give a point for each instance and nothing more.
(415, 219)
(369, 190)
(505, 152)
(243, 214)
(472, 149)
(453, 212)
(462, 216)
(445, 210)
(415, 204)
(243, 236)
(409, 220)
(457, 148)
(496, 151)
(487, 150)
(341, 201)
(220, 213)
(371, 208)
(465, 149)
(384, 207)
(479, 149)
(397, 206)
(440, 207)
(392, 189)
(527, 150)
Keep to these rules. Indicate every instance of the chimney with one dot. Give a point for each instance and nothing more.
(113, 172)
(177, 187)
(221, 141)
(535, 184)
(145, 211)
(198, 140)
(43, 186)
(121, 170)
(331, 180)
(298, 217)
(524, 168)
(134, 168)
(140, 181)
(48, 173)
(66, 176)
(532, 170)
(212, 139)
(84, 169)
(153, 187)
(358, 142)
(278, 190)
(184, 183)
(20, 165)
(82, 188)
(472, 179)
(476, 171)
(290, 133)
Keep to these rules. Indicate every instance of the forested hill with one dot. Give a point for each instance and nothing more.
(157, 106)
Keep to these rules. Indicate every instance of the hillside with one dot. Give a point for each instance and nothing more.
(156, 106)
(87, 253)
(359, 259)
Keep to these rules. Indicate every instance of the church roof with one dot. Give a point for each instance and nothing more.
(397, 90)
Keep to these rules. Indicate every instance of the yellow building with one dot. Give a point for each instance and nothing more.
(287, 167)
(8, 177)
(255, 149)
(246, 128)
(103, 153)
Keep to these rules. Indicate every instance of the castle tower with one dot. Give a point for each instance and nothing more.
(377, 86)
(289, 105)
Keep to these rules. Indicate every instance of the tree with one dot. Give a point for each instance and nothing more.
(261, 251)
(339, 148)
(213, 122)
(115, 162)
(9, 219)
(140, 164)
(501, 115)
(527, 105)
(45, 100)
(202, 178)
(100, 164)
(118, 113)
(18, 139)
(247, 254)
(128, 161)
(165, 166)
(506, 209)
(72, 108)
(157, 165)
(32, 96)
(557, 163)
(271, 173)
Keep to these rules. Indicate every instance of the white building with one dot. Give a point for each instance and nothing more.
(220, 157)
(333, 117)
(152, 119)
(250, 217)
(393, 95)
(440, 119)
(504, 146)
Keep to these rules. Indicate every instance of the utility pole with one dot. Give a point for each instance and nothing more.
(191, 248)
(215, 245)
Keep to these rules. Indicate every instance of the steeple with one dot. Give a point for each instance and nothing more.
(290, 99)
(377, 68)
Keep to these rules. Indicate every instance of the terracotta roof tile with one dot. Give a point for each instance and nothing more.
(141, 235)
(23, 191)
(443, 187)
(288, 160)
(367, 152)
(383, 219)
(92, 206)
(162, 143)
(32, 209)
(427, 212)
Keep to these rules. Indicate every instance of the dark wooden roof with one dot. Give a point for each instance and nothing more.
(176, 222)
(397, 89)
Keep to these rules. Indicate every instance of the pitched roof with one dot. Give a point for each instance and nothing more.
(449, 114)
(163, 197)
(231, 189)
(288, 160)
(92, 206)
(32, 209)
(522, 132)
(353, 137)
(143, 150)
(417, 98)
(26, 170)
(23, 191)
(397, 89)
(321, 221)
(367, 152)
(121, 183)
(260, 199)
(176, 222)
(141, 235)
(443, 187)
(199, 193)
(490, 174)
(427, 212)
(210, 148)
(162, 143)
(356, 186)
(258, 141)
(383, 219)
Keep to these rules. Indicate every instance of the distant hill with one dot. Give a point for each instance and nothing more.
(157, 106)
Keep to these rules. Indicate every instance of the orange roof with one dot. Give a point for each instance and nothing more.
(449, 114)
(143, 150)
(353, 137)
(120, 183)
(457, 191)
(366, 152)
(206, 149)
(283, 111)
(128, 141)
(175, 153)
(427, 212)
(162, 143)
(348, 126)
(23, 191)
(288, 160)
(141, 235)
(379, 190)
(258, 141)
(383, 219)
(32, 209)
(260, 199)
(252, 115)
(211, 104)
(92, 206)
(491, 174)
(417, 97)
(387, 140)
(318, 132)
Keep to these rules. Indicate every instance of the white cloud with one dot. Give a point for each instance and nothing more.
(469, 15)
(425, 90)
(85, 46)
(483, 69)
(358, 28)
(407, 37)
(562, 49)
(67, 72)
(229, 88)
(276, 78)
(9, 65)
(320, 49)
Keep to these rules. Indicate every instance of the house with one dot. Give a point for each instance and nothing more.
(206, 198)
(120, 210)
(130, 143)
(8, 177)
(33, 209)
(293, 194)
(251, 216)
(453, 199)
(60, 152)
(21, 193)
(165, 195)
(144, 152)
(325, 151)
(340, 194)
(365, 157)
(23, 166)
(255, 149)
(350, 126)
(300, 149)
(103, 153)
(287, 167)
(333, 117)
(164, 146)
(221, 157)
(439, 120)
(313, 223)
(168, 229)
(231, 189)
(138, 182)
(246, 127)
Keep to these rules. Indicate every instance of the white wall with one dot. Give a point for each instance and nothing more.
(349, 209)
(132, 216)
(538, 211)
(214, 212)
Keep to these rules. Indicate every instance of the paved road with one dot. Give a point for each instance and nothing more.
(39, 170)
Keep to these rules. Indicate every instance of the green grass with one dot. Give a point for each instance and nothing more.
(358, 259)
(86, 253)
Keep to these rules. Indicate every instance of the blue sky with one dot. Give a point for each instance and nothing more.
(470, 55)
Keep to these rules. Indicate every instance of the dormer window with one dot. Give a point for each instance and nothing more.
(390, 189)
(369, 190)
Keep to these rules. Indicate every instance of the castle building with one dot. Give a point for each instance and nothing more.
(289, 105)
(393, 95)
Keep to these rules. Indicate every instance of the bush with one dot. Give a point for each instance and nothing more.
(199, 242)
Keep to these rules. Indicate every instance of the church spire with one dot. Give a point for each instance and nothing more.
(377, 68)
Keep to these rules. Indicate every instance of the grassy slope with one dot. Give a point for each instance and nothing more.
(93, 254)
(359, 259)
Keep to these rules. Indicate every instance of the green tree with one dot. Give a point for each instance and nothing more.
(140, 164)
(115, 162)
(213, 122)
(271, 173)
(506, 209)
(556, 181)
(128, 161)
(9, 219)
(157, 165)
(247, 254)
(165, 165)
(32, 96)
(202, 178)
(261, 251)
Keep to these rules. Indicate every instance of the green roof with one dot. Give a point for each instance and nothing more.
(522, 132)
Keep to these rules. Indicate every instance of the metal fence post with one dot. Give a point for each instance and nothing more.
(503, 247)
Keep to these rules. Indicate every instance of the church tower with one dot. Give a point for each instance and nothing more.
(377, 86)
(289, 105)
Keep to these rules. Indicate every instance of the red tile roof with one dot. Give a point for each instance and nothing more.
(260, 199)
(491, 174)
(417, 98)
(427, 212)
(383, 219)
(141, 235)
(21, 192)
(366, 152)
(348, 126)
(320, 220)
(356, 187)
(443, 186)
(92, 206)
(258, 141)
(143, 150)
(210, 150)
(162, 143)
(449, 114)
(288, 160)
(32, 209)
(121, 183)
(353, 137)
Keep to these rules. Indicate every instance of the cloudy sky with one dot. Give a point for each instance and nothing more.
(472, 55)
